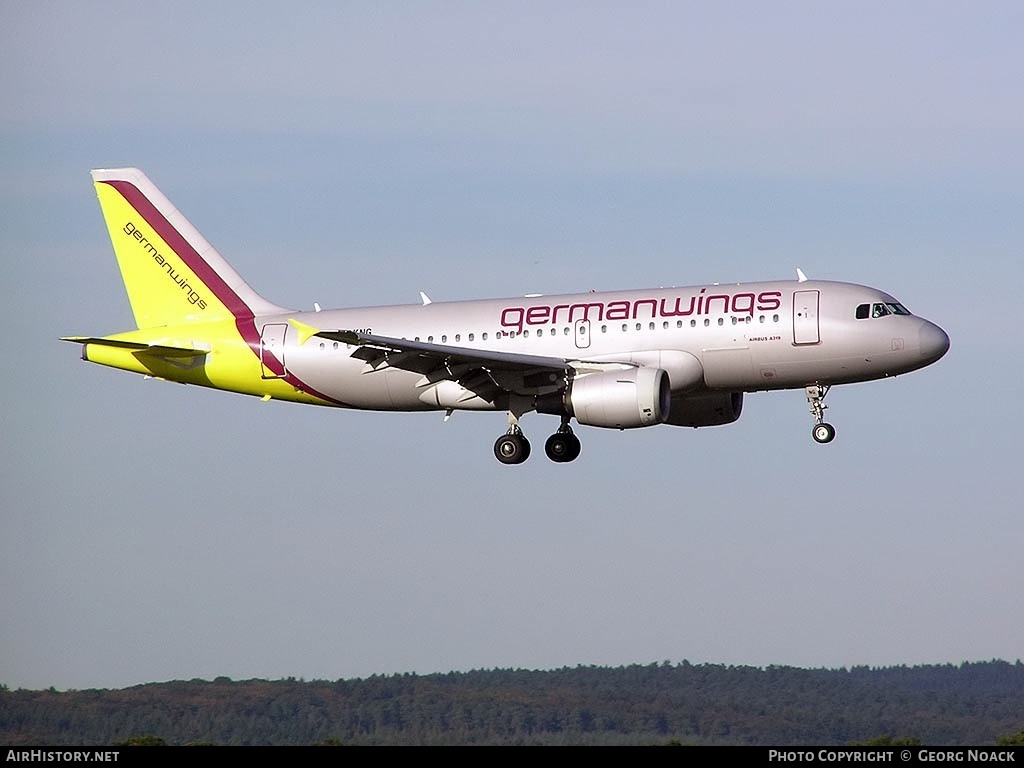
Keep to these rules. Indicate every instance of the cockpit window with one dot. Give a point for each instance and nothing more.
(889, 308)
(881, 309)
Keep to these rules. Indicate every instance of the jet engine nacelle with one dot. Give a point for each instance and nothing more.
(708, 410)
(636, 397)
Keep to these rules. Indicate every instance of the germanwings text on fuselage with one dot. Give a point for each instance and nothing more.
(517, 318)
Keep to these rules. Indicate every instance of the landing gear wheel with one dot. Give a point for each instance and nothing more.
(562, 447)
(512, 448)
(823, 433)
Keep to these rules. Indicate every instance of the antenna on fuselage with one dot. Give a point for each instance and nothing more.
(424, 298)
(800, 276)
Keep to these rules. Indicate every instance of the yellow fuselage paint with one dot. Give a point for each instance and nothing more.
(228, 363)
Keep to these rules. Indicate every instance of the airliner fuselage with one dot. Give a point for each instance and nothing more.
(678, 356)
(746, 337)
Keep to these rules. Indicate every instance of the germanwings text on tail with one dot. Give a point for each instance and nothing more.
(677, 356)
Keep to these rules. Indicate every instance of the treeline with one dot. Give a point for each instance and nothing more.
(974, 704)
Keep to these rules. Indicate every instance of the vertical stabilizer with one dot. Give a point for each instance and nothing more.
(172, 274)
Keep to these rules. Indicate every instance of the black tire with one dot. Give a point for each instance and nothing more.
(511, 449)
(576, 448)
(823, 433)
(562, 447)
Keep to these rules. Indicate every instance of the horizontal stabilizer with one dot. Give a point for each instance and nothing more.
(157, 350)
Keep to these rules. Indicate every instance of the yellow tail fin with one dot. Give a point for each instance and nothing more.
(172, 274)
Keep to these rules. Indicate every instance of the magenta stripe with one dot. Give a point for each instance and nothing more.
(245, 319)
(183, 249)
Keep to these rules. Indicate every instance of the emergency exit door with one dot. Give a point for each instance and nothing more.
(272, 350)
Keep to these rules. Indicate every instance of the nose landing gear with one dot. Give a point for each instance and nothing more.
(822, 432)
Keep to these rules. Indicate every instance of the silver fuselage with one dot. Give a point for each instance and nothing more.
(746, 337)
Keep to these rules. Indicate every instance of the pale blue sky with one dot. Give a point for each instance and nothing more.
(358, 153)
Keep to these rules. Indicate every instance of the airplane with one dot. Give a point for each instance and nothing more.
(619, 360)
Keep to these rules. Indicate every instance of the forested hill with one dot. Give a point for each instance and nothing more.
(972, 704)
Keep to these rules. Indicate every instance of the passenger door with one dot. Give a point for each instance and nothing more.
(805, 317)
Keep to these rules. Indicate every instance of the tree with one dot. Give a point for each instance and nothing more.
(889, 741)
(148, 740)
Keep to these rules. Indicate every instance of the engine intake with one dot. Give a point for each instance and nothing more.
(636, 397)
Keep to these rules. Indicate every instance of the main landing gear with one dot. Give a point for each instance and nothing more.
(563, 446)
(514, 448)
(821, 431)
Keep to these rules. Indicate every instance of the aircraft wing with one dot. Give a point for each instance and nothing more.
(395, 351)
(483, 371)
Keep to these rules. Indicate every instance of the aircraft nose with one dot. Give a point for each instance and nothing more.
(932, 342)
